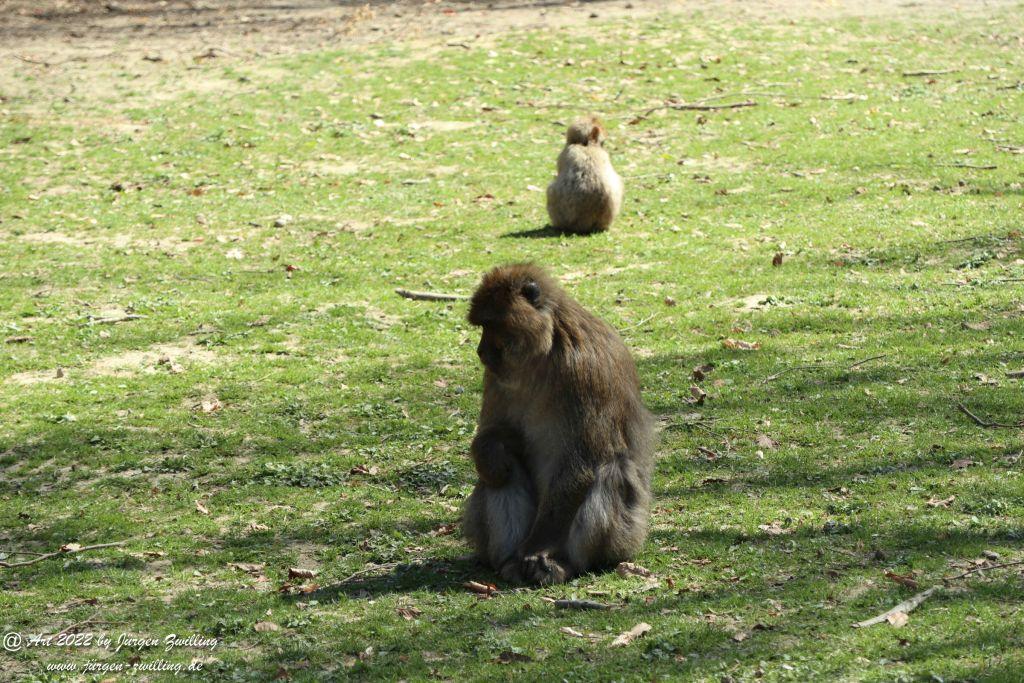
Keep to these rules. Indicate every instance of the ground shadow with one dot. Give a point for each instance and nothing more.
(536, 233)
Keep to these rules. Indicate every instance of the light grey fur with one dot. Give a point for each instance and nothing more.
(586, 196)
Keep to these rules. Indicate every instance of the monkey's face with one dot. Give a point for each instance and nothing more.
(514, 313)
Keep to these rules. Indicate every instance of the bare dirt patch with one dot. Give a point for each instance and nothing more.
(171, 357)
(50, 34)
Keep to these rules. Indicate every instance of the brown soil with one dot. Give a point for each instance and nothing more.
(48, 33)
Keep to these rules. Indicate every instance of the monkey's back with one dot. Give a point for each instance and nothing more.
(600, 385)
(587, 193)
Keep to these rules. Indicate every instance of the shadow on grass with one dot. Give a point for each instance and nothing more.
(544, 232)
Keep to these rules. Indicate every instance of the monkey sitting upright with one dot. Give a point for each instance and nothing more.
(587, 194)
(563, 448)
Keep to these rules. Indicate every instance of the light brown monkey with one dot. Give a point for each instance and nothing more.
(564, 444)
(587, 194)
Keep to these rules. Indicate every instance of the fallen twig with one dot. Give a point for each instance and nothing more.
(1015, 373)
(367, 570)
(696, 106)
(978, 167)
(985, 423)
(429, 296)
(911, 603)
(113, 319)
(580, 604)
(70, 550)
(905, 607)
(972, 238)
(930, 72)
(817, 366)
(983, 568)
(72, 627)
(642, 321)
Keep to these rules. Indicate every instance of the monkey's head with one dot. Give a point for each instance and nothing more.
(515, 306)
(586, 131)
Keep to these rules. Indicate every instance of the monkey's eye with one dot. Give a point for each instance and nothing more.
(531, 292)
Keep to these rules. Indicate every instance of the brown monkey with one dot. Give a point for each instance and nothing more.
(587, 194)
(563, 447)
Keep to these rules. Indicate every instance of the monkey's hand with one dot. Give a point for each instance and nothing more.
(545, 570)
(495, 453)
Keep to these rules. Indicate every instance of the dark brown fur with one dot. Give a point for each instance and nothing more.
(564, 444)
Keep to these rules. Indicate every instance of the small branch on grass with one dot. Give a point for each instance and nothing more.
(696, 106)
(984, 568)
(429, 296)
(930, 72)
(985, 423)
(70, 551)
(73, 628)
(642, 321)
(580, 604)
(911, 603)
(367, 570)
(113, 319)
(905, 607)
(973, 238)
(1015, 373)
(20, 552)
(978, 167)
(770, 378)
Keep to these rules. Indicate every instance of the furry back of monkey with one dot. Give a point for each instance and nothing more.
(564, 444)
(586, 196)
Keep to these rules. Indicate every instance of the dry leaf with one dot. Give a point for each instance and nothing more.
(201, 508)
(740, 636)
(235, 254)
(774, 529)
(266, 627)
(977, 327)
(630, 569)
(632, 634)
(698, 396)
(962, 463)
(408, 613)
(247, 567)
(944, 503)
(445, 530)
(765, 441)
(300, 573)
(210, 404)
(902, 579)
(898, 619)
(570, 631)
(71, 547)
(702, 371)
(740, 345)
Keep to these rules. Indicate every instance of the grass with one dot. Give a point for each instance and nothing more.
(321, 421)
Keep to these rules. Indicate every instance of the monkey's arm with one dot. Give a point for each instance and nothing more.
(496, 450)
(557, 507)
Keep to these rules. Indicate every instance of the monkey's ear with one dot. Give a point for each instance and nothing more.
(531, 291)
(594, 137)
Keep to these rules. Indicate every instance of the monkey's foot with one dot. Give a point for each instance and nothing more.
(510, 571)
(543, 569)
